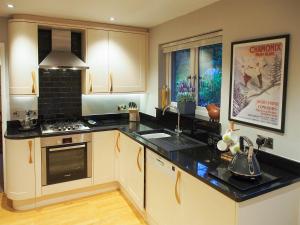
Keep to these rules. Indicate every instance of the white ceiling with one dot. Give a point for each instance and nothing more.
(142, 13)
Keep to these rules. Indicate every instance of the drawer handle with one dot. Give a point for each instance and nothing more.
(33, 88)
(138, 159)
(91, 83)
(30, 151)
(110, 83)
(176, 187)
(117, 147)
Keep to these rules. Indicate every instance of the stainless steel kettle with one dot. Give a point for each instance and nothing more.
(244, 163)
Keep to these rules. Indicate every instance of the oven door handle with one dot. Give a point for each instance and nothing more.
(66, 148)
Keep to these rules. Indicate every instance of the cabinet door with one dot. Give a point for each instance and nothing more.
(97, 79)
(103, 156)
(162, 206)
(23, 58)
(132, 169)
(203, 205)
(20, 173)
(127, 60)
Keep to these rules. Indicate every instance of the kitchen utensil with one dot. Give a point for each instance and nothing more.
(244, 163)
(134, 115)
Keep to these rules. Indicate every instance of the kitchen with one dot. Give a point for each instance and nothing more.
(83, 119)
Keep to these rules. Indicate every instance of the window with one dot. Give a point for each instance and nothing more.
(197, 61)
(180, 70)
(210, 75)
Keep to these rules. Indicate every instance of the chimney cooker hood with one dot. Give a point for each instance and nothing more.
(61, 56)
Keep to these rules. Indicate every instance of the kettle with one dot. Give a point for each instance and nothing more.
(244, 164)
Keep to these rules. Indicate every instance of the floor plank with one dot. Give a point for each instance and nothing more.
(105, 209)
(1, 173)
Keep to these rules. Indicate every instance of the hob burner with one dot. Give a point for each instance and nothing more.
(63, 126)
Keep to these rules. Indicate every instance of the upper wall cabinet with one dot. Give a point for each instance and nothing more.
(97, 79)
(127, 61)
(117, 62)
(23, 58)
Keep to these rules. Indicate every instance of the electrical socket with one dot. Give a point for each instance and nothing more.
(268, 142)
(122, 107)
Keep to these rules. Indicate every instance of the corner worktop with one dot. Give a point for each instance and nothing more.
(193, 161)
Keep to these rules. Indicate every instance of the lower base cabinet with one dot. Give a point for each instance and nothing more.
(131, 168)
(20, 176)
(203, 205)
(103, 145)
(175, 197)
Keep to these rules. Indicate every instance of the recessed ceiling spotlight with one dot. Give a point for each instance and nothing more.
(10, 6)
(111, 18)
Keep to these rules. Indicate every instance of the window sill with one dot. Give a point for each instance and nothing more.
(196, 116)
(200, 112)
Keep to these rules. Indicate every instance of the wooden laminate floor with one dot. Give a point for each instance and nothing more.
(104, 209)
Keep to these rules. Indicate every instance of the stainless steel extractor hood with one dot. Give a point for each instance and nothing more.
(61, 56)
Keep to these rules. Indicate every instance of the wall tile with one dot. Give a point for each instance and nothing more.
(60, 94)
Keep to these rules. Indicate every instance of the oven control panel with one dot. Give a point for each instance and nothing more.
(66, 139)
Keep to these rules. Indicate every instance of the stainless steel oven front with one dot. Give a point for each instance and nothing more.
(66, 158)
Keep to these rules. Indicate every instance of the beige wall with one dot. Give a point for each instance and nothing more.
(239, 19)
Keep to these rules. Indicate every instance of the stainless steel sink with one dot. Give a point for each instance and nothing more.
(155, 135)
(168, 140)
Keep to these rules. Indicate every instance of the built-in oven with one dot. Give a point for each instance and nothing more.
(66, 158)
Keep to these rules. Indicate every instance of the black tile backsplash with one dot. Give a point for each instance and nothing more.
(60, 94)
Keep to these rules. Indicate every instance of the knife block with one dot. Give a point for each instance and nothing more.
(134, 115)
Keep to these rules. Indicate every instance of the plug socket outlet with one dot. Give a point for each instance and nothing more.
(267, 142)
(122, 107)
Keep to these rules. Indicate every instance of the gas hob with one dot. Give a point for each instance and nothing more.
(64, 126)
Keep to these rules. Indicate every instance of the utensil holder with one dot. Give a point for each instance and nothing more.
(134, 115)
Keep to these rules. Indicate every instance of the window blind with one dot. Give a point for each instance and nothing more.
(193, 42)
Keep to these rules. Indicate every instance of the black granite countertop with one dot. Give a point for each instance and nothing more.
(198, 162)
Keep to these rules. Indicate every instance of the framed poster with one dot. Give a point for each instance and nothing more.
(258, 82)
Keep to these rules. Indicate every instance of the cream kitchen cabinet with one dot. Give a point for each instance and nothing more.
(20, 173)
(103, 145)
(131, 168)
(97, 76)
(127, 61)
(117, 62)
(23, 58)
(203, 205)
(175, 197)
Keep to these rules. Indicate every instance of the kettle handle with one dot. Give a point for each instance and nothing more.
(242, 143)
(244, 138)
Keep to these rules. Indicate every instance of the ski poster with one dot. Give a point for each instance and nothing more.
(258, 82)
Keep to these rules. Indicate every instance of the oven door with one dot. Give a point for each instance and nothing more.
(65, 163)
